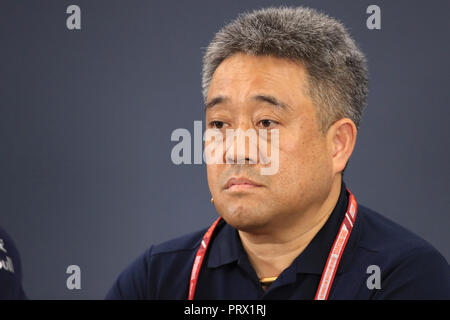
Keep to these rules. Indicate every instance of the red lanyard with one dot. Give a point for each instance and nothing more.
(331, 266)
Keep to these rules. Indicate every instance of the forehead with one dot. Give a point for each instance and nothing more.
(241, 76)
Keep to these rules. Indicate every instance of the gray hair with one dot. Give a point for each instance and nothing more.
(336, 68)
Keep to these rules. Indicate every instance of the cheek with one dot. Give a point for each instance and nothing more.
(213, 175)
(301, 157)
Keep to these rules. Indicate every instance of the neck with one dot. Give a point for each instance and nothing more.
(273, 251)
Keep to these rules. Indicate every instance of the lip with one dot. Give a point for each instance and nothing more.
(235, 183)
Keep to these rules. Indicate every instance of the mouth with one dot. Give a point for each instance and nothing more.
(242, 183)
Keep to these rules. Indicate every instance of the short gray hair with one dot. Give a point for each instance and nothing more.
(336, 68)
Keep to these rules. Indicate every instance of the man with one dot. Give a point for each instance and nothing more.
(10, 269)
(298, 233)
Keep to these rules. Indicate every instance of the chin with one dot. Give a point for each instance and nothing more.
(244, 218)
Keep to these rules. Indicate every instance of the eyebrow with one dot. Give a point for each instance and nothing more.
(259, 97)
(271, 99)
(216, 100)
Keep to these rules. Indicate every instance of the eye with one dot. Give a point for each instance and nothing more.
(216, 124)
(265, 123)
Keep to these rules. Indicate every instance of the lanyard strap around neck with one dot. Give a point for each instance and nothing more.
(331, 265)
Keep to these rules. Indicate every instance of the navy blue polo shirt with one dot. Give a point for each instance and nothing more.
(407, 266)
(10, 269)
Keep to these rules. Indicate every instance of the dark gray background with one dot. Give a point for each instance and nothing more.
(86, 117)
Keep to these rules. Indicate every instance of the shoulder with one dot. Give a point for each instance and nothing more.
(187, 242)
(170, 260)
(382, 234)
(10, 269)
(411, 267)
(7, 240)
(8, 251)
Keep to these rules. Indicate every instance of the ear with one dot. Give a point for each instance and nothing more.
(341, 138)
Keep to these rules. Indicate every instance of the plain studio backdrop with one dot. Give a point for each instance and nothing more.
(86, 117)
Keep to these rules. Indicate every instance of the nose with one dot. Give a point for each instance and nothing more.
(241, 145)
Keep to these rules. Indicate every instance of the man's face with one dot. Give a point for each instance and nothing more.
(264, 92)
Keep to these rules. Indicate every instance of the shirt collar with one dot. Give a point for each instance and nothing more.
(226, 246)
